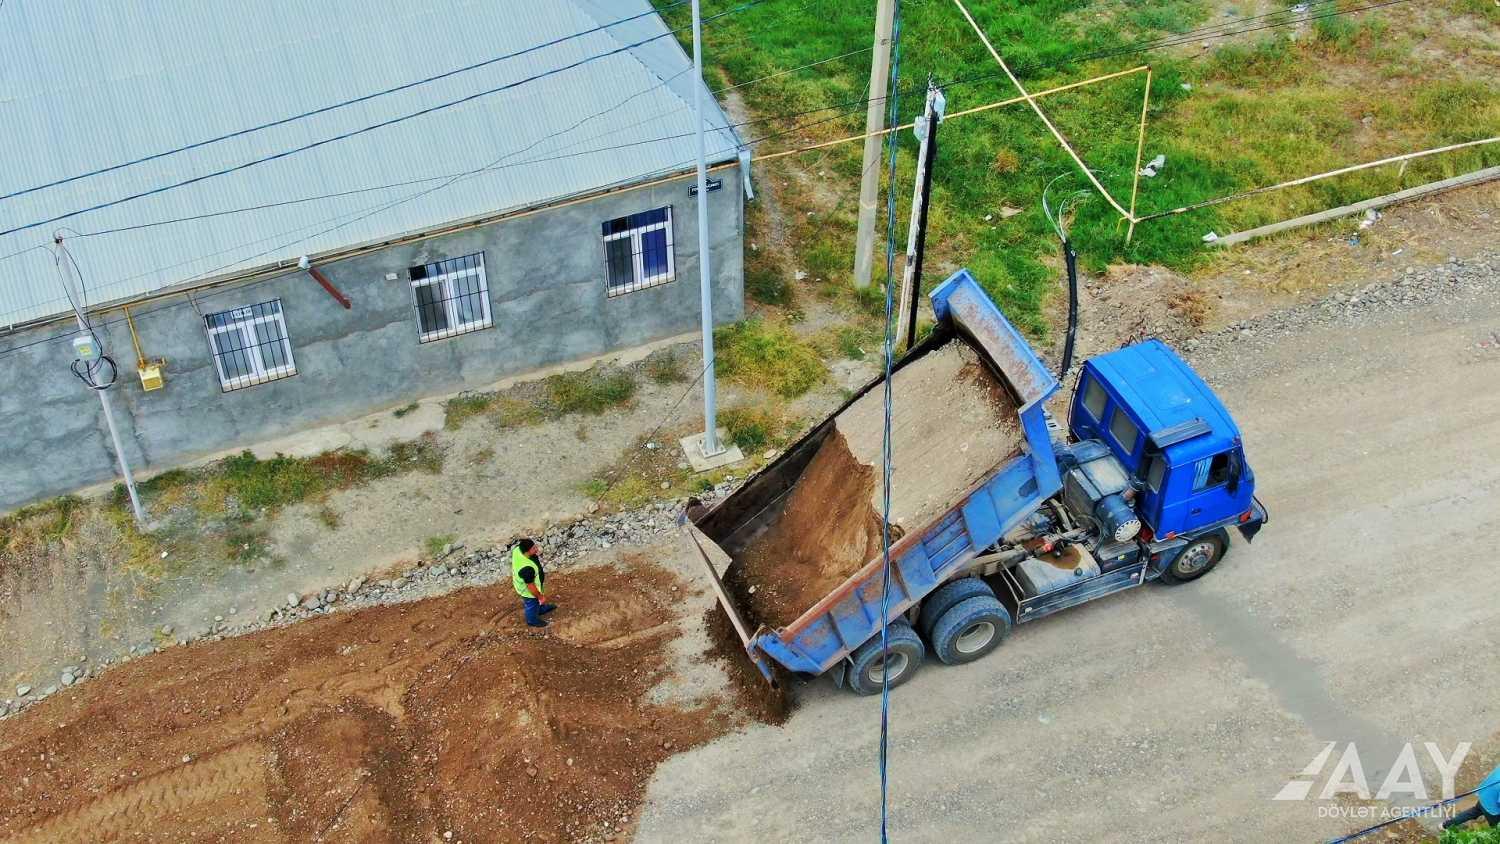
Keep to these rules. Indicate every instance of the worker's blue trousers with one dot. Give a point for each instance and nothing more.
(533, 616)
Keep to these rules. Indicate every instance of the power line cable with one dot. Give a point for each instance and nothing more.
(54, 338)
(856, 103)
(1216, 31)
(885, 522)
(335, 106)
(369, 128)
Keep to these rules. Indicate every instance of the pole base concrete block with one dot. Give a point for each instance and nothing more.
(693, 447)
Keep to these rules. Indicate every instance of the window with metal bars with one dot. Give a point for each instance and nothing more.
(638, 251)
(451, 297)
(250, 345)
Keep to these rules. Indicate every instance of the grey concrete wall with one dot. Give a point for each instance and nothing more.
(546, 278)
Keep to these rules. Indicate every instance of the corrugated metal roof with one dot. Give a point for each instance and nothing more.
(90, 84)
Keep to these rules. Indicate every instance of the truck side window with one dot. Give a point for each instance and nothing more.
(1155, 471)
(1211, 472)
(1124, 431)
(1093, 399)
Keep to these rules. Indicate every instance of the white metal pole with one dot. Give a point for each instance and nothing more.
(65, 264)
(711, 444)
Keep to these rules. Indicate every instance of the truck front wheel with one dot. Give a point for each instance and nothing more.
(969, 630)
(1197, 558)
(870, 666)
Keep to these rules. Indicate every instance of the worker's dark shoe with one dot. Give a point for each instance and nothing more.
(546, 608)
(538, 623)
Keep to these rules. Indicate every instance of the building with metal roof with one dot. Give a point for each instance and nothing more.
(311, 246)
(90, 85)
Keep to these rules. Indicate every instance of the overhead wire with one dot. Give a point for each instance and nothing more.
(1216, 31)
(249, 283)
(886, 449)
(362, 130)
(855, 104)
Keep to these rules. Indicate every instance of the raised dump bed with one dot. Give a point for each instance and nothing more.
(972, 459)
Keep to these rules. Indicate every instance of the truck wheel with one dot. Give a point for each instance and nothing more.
(1197, 559)
(868, 667)
(969, 630)
(948, 595)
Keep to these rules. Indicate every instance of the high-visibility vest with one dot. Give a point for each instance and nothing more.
(519, 562)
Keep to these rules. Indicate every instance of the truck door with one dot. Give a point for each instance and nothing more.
(1220, 490)
(1154, 494)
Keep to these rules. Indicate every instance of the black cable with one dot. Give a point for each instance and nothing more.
(106, 324)
(1192, 35)
(355, 132)
(334, 107)
(1216, 31)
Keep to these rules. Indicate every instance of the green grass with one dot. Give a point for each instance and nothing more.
(39, 525)
(434, 545)
(756, 427)
(403, 411)
(463, 407)
(592, 391)
(1262, 108)
(1471, 835)
(765, 354)
(667, 367)
(767, 285)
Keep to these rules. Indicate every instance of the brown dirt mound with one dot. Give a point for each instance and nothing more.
(827, 531)
(396, 723)
(952, 422)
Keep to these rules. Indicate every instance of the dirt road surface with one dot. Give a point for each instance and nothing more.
(1363, 613)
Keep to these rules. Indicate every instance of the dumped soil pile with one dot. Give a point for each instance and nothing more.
(826, 532)
(397, 723)
(762, 701)
(952, 422)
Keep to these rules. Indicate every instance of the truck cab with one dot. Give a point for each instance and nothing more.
(1173, 436)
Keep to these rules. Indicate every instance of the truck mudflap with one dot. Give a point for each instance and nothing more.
(709, 551)
(1259, 518)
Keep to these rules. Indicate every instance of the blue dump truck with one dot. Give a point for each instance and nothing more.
(1144, 485)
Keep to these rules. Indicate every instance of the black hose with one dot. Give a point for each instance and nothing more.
(1071, 258)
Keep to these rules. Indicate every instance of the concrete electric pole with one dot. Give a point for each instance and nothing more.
(90, 351)
(704, 451)
(916, 238)
(869, 183)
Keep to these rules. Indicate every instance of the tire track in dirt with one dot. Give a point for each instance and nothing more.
(175, 792)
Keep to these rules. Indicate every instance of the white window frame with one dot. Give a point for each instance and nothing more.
(637, 252)
(244, 320)
(450, 299)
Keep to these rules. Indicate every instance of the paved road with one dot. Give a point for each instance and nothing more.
(1174, 714)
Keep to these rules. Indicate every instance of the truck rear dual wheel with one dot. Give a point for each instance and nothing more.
(970, 629)
(947, 596)
(870, 665)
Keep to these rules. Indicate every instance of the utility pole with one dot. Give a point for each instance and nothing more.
(916, 237)
(91, 351)
(869, 183)
(704, 451)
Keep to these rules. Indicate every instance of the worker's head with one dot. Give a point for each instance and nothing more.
(529, 547)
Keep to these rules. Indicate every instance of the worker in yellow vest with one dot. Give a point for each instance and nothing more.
(529, 580)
